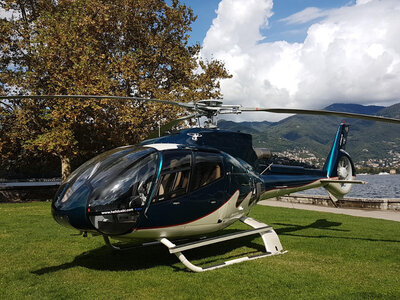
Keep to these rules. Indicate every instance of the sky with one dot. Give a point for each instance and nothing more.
(302, 54)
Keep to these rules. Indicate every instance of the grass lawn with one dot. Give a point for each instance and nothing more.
(330, 256)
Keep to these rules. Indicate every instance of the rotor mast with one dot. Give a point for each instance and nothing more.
(211, 109)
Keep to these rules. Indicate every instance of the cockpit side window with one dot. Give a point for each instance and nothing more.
(237, 166)
(175, 175)
(208, 167)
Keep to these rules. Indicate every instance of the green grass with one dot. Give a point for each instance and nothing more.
(330, 256)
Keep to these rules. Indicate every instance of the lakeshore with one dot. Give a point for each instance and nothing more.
(391, 215)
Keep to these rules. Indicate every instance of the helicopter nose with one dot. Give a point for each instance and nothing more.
(69, 207)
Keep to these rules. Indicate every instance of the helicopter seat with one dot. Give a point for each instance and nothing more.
(212, 175)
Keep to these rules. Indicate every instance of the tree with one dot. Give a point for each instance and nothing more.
(113, 47)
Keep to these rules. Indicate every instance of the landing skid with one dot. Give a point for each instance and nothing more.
(127, 248)
(271, 241)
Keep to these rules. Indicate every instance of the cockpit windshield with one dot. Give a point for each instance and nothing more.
(121, 189)
(125, 183)
(110, 189)
(101, 171)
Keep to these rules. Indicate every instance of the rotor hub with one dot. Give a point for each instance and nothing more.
(209, 103)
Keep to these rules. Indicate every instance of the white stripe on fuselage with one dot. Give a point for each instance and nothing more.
(224, 216)
(162, 146)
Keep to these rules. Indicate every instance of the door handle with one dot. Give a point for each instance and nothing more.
(176, 203)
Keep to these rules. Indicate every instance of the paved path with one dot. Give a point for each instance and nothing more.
(377, 214)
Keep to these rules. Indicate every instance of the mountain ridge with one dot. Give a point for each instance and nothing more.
(369, 142)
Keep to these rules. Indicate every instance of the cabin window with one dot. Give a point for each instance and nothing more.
(207, 169)
(173, 185)
(175, 175)
(176, 159)
(237, 166)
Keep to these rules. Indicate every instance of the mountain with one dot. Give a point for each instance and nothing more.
(367, 140)
(355, 108)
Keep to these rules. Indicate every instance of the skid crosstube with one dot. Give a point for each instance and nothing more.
(270, 238)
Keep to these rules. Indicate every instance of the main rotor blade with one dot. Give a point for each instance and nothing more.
(192, 106)
(181, 104)
(322, 113)
(160, 131)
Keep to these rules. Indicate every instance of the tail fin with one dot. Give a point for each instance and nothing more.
(330, 167)
(339, 164)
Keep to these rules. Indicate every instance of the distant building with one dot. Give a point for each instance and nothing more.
(393, 171)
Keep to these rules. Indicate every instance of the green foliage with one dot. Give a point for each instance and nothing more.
(329, 256)
(126, 48)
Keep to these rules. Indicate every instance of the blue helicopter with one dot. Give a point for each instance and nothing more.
(192, 183)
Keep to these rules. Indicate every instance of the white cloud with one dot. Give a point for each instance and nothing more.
(361, 2)
(352, 55)
(306, 15)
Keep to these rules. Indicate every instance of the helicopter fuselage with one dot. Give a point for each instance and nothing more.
(186, 184)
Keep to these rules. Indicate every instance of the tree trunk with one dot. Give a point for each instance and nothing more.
(65, 167)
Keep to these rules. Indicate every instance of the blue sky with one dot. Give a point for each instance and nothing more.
(277, 29)
(302, 54)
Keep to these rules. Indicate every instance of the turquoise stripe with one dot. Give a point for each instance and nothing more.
(333, 152)
(155, 182)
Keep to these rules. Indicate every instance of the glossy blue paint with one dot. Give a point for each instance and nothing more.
(222, 140)
(187, 208)
(336, 151)
(333, 153)
(72, 213)
(279, 177)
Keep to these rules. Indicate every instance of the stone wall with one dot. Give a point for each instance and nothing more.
(347, 202)
(27, 194)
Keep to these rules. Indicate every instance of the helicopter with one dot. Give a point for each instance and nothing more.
(192, 183)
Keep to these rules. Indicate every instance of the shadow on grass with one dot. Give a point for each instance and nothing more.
(106, 259)
(325, 225)
(318, 224)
